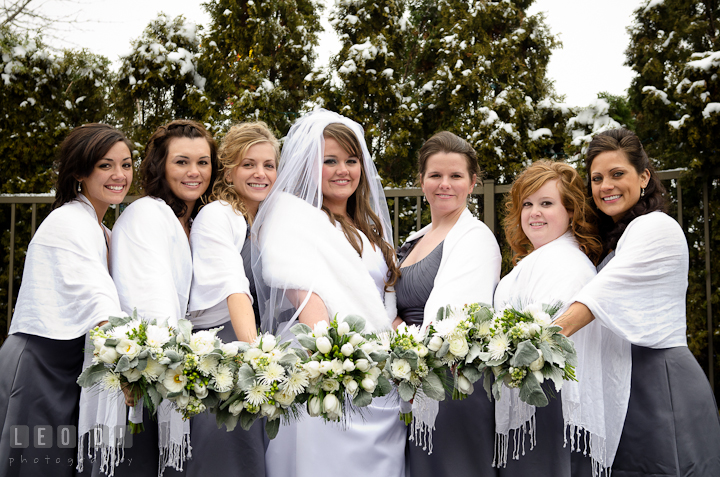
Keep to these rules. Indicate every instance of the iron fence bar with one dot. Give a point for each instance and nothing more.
(418, 223)
(33, 220)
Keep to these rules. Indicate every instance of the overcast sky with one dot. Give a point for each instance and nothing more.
(591, 60)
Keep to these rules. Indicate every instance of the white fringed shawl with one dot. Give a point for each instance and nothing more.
(554, 273)
(216, 239)
(302, 250)
(468, 273)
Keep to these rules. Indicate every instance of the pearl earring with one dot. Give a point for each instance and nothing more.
(642, 192)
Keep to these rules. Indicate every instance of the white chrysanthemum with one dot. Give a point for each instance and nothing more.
(223, 378)
(119, 331)
(546, 336)
(272, 373)
(208, 364)
(256, 395)
(157, 336)
(202, 342)
(447, 326)
(174, 380)
(297, 382)
(111, 381)
(400, 369)
(498, 346)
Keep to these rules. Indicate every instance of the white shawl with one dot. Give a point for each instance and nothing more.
(302, 250)
(639, 296)
(468, 273)
(216, 239)
(66, 288)
(554, 273)
(151, 265)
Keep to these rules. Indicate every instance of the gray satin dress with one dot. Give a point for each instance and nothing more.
(672, 426)
(464, 435)
(217, 452)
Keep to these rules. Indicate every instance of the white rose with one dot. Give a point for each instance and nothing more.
(356, 339)
(182, 401)
(285, 399)
(271, 411)
(230, 349)
(464, 385)
(268, 343)
(400, 369)
(312, 368)
(422, 350)
(343, 328)
(314, 406)
(108, 355)
(325, 367)
(435, 343)
(351, 385)
(320, 328)
(347, 349)
(362, 364)
(202, 342)
(538, 364)
(534, 329)
(236, 407)
(348, 366)
(132, 375)
(201, 391)
(174, 380)
(252, 353)
(458, 346)
(330, 385)
(128, 347)
(323, 344)
(332, 407)
(368, 385)
(337, 366)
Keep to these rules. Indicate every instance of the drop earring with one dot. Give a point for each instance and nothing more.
(79, 186)
(642, 192)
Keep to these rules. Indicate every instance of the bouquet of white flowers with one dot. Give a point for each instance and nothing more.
(270, 383)
(132, 353)
(522, 348)
(411, 366)
(344, 363)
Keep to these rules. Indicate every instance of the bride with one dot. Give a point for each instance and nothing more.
(320, 250)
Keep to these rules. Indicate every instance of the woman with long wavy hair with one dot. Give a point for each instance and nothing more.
(664, 405)
(321, 247)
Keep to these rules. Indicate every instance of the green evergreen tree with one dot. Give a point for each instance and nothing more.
(675, 52)
(257, 54)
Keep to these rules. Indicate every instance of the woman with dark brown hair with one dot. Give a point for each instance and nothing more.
(551, 229)
(66, 291)
(665, 407)
(455, 260)
(152, 267)
(321, 250)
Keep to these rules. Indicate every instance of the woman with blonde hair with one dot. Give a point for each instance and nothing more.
(223, 288)
(321, 246)
(551, 230)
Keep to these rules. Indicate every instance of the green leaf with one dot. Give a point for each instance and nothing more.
(288, 360)
(443, 349)
(488, 382)
(356, 323)
(379, 356)
(307, 342)
(301, 329)
(433, 388)
(111, 342)
(272, 428)
(383, 388)
(116, 321)
(173, 356)
(246, 378)
(525, 354)
(123, 364)
(247, 419)
(531, 392)
(474, 352)
(406, 391)
(92, 375)
(362, 398)
(141, 364)
(185, 328)
(471, 373)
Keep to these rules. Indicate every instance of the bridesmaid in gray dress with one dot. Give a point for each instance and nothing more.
(453, 261)
(223, 288)
(671, 425)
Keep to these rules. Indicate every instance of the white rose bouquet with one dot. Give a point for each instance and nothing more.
(343, 364)
(411, 366)
(521, 348)
(131, 353)
(271, 382)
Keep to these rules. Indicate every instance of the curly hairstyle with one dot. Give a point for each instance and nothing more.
(447, 142)
(233, 148)
(79, 152)
(358, 205)
(152, 169)
(572, 196)
(626, 142)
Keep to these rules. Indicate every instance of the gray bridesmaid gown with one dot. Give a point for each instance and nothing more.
(217, 452)
(672, 426)
(464, 435)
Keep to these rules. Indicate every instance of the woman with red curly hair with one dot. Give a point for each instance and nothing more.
(551, 230)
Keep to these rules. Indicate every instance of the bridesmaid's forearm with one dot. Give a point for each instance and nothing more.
(575, 318)
(242, 317)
